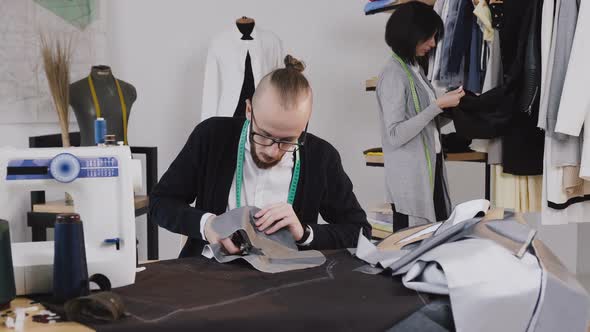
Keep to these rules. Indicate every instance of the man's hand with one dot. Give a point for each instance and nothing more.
(213, 237)
(278, 216)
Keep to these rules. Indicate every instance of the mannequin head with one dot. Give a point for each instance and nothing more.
(413, 30)
(280, 109)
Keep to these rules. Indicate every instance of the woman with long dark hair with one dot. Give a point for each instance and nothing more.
(415, 175)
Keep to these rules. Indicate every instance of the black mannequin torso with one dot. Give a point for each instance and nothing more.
(108, 100)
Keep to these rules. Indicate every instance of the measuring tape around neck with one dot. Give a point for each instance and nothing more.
(240, 169)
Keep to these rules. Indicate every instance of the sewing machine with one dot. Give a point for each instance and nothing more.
(101, 181)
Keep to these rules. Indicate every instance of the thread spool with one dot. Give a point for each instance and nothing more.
(100, 130)
(7, 285)
(70, 271)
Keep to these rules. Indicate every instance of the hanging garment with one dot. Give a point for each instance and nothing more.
(521, 193)
(560, 206)
(493, 78)
(483, 116)
(554, 192)
(574, 108)
(564, 31)
(457, 36)
(550, 14)
(455, 143)
(248, 87)
(484, 20)
(497, 10)
(225, 68)
(474, 75)
(522, 145)
(442, 8)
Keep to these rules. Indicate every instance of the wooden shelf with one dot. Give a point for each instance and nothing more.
(378, 161)
(467, 156)
(379, 234)
(141, 202)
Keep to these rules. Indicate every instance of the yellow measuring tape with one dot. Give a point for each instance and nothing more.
(121, 99)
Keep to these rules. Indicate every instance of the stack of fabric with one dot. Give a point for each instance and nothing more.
(497, 275)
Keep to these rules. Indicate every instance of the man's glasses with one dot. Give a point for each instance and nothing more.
(288, 146)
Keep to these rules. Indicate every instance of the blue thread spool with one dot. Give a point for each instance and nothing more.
(7, 287)
(100, 130)
(70, 271)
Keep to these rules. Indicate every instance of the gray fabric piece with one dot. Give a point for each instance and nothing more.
(427, 277)
(407, 179)
(403, 264)
(494, 283)
(482, 295)
(510, 229)
(564, 32)
(368, 269)
(509, 233)
(279, 252)
(436, 316)
(564, 304)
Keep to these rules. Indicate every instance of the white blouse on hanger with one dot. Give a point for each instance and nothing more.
(224, 71)
(574, 108)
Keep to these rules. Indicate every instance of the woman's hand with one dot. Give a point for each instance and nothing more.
(451, 98)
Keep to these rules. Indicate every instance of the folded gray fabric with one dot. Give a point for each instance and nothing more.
(273, 253)
(509, 233)
(436, 316)
(449, 234)
(490, 288)
(369, 253)
(564, 304)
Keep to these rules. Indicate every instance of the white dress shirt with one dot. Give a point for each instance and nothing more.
(261, 187)
(224, 71)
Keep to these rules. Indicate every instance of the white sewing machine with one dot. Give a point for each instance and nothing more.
(101, 181)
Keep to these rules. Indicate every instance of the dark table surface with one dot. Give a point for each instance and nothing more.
(201, 294)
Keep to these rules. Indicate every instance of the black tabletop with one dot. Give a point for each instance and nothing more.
(201, 294)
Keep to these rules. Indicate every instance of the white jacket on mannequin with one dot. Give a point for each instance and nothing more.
(224, 71)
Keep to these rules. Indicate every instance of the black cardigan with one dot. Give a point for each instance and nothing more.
(204, 171)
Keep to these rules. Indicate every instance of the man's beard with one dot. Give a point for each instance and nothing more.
(261, 163)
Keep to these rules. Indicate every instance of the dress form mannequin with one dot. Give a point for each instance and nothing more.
(108, 100)
(246, 26)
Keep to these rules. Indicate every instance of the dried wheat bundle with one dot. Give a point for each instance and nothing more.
(56, 61)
